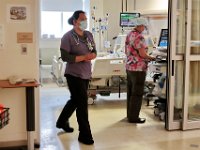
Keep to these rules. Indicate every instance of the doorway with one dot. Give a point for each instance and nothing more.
(183, 66)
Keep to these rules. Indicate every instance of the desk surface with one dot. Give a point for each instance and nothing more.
(6, 84)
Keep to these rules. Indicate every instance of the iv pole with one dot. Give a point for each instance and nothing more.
(126, 8)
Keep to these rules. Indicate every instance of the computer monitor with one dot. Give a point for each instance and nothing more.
(163, 40)
(126, 19)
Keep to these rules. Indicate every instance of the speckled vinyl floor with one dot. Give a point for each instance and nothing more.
(110, 129)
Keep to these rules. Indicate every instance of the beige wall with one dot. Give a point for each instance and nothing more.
(151, 5)
(13, 62)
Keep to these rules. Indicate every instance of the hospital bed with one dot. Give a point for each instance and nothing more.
(108, 76)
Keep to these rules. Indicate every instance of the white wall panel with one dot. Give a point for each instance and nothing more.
(61, 5)
(147, 5)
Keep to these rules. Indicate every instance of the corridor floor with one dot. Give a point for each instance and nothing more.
(109, 126)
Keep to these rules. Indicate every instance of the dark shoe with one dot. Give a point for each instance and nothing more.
(139, 120)
(65, 127)
(86, 141)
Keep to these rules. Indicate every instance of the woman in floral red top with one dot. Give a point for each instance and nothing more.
(136, 67)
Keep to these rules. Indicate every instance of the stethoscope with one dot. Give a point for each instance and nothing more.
(88, 41)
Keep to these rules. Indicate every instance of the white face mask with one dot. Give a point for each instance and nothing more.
(83, 25)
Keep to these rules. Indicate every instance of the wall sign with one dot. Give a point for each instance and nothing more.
(24, 37)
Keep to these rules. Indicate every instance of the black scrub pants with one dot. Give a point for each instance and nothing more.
(79, 101)
(135, 90)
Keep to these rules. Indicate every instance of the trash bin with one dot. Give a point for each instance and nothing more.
(4, 117)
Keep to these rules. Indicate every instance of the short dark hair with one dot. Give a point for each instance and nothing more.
(75, 16)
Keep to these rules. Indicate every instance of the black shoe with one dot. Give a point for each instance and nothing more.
(65, 127)
(87, 141)
(139, 120)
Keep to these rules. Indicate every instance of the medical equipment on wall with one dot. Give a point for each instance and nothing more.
(100, 30)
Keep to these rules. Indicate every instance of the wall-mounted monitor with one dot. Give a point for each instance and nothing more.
(163, 40)
(127, 19)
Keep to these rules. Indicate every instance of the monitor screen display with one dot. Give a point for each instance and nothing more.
(126, 19)
(163, 41)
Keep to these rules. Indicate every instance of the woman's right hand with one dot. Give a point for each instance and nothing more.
(90, 56)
